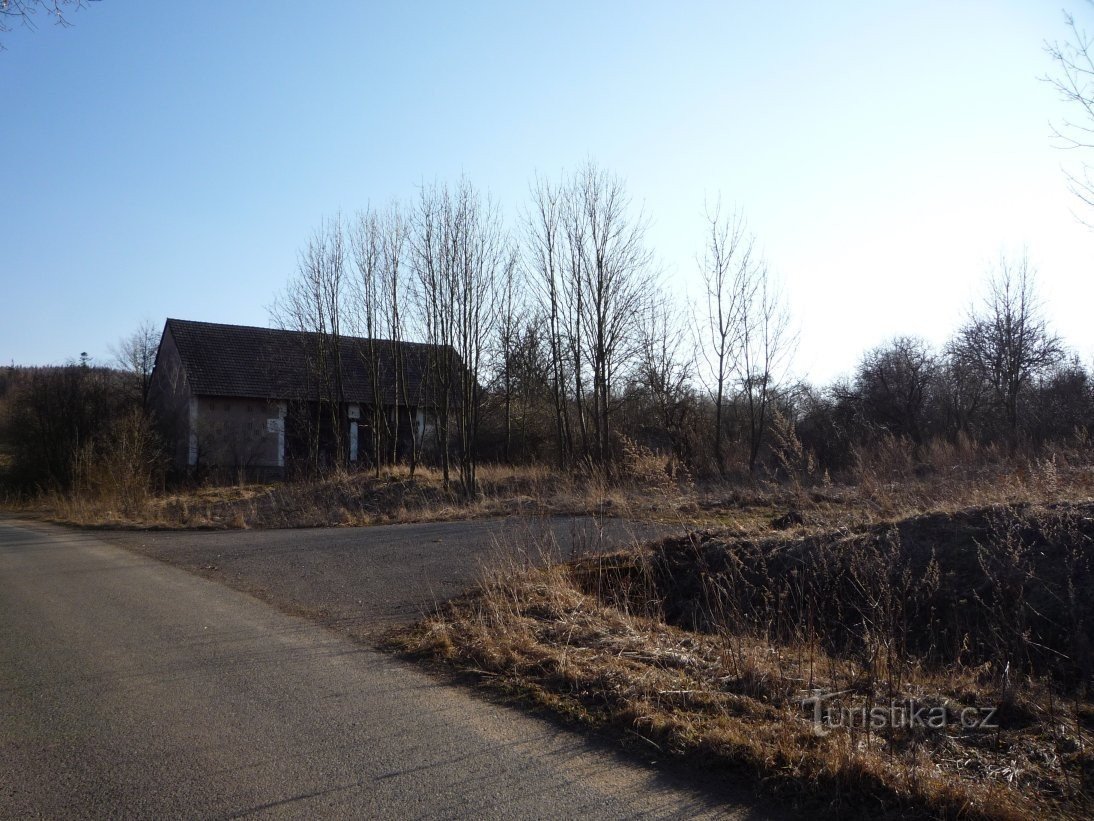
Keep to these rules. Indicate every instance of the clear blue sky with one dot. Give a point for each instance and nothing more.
(165, 159)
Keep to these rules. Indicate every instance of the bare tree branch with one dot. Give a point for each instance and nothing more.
(136, 354)
(1074, 81)
(25, 13)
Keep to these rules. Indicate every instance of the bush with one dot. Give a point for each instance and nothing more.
(118, 470)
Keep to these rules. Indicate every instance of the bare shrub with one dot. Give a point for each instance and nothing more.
(639, 465)
(797, 463)
(117, 472)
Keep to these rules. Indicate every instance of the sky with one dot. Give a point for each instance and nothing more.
(165, 159)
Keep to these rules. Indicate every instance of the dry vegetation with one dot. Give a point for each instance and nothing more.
(340, 499)
(710, 646)
(887, 483)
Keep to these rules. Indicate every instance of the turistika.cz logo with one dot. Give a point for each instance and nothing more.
(908, 714)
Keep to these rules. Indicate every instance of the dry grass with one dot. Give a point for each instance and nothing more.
(355, 499)
(710, 648)
(884, 488)
(881, 494)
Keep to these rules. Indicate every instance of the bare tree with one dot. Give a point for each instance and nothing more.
(587, 255)
(767, 343)
(893, 385)
(461, 256)
(369, 312)
(1007, 341)
(433, 240)
(511, 321)
(612, 275)
(395, 295)
(544, 262)
(313, 303)
(529, 371)
(663, 372)
(1074, 80)
(53, 417)
(961, 393)
(489, 263)
(136, 354)
(730, 267)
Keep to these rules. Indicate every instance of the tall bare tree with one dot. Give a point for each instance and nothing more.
(511, 321)
(370, 310)
(730, 267)
(435, 236)
(395, 292)
(1007, 341)
(313, 303)
(587, 250)
(461, 255)
(767, 344)
(543, 248)
(615, 265)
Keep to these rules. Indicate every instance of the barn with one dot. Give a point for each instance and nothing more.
(267, 402)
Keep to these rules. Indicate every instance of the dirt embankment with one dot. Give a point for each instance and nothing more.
(1003, 585)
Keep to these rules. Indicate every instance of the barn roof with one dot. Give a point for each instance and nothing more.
(268, 363)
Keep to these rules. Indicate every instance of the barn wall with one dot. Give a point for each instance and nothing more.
(169, 400)
(238, 433)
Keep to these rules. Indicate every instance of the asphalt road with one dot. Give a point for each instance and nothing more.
(132, 688)
(362, 581)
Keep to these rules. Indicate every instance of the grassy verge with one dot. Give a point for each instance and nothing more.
(341, 499)
(746, 506)
(718, 648)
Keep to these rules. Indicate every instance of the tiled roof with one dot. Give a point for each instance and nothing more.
(267, 363)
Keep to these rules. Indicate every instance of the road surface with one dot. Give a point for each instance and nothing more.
(132, 688)
(362, 581)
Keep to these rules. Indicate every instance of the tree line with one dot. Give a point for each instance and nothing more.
(1004, 380)
(553, 340)
(575, 353)
(557, 325)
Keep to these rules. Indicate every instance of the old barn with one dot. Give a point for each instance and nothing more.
(268, 401)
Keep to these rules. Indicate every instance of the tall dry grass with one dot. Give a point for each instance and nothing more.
(892, 479)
